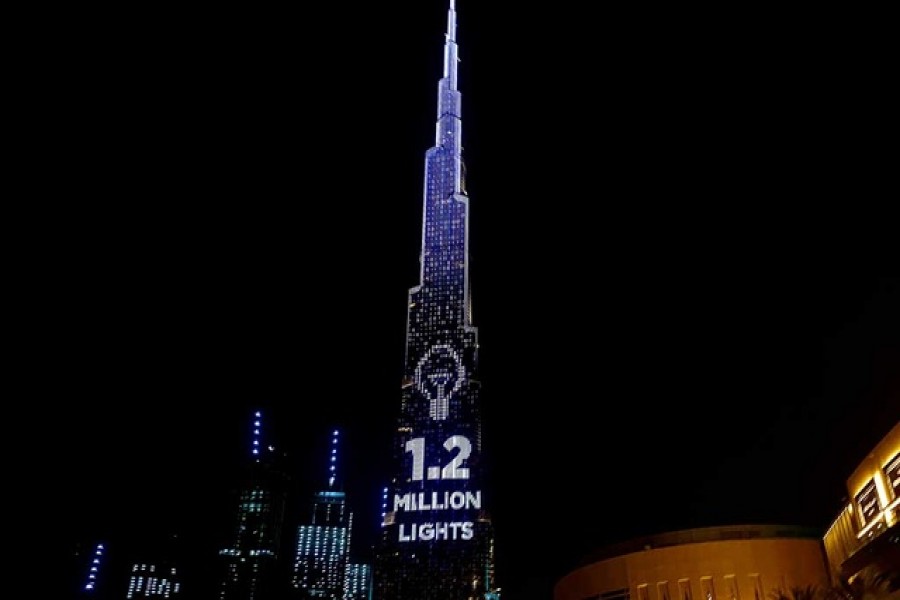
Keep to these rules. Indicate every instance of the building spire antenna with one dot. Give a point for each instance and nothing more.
(257, 435)
(332, 459)
(450, 50)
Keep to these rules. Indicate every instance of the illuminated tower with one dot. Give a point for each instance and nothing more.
(252, 551)
(437, 539)
(323, 545)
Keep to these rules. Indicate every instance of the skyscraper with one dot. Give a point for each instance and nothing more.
(437, 538)
(323, 545)
(250, 557)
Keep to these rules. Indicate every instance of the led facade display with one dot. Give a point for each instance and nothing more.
(437, 539)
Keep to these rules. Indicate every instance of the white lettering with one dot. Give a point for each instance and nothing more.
(427, 532)
(404, 538)
(401, 502)
(421, 501)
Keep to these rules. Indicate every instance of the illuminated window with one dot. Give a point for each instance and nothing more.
(892, 472)
(684, 589)
(867, 503)
(643, 592)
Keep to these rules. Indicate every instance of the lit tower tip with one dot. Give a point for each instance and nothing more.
(332, 461)
(450, 51)
(257, 435)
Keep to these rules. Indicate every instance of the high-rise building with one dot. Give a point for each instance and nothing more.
(437, 538)
(250, 557)
(323, 544)
(150, 580)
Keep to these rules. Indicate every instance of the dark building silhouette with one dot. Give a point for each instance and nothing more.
(250, 558)
(437, 539)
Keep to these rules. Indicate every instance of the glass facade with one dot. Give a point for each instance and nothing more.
(437, 537)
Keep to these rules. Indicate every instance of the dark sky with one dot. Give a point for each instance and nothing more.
(684, 269)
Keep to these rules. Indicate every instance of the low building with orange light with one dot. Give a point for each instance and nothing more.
(741, 562)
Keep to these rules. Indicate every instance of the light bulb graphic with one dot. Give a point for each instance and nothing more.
(439, 374)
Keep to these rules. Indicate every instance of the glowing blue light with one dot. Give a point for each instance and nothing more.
(257, 424)
(335, 432)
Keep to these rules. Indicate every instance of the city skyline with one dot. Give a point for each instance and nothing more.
(684, 268)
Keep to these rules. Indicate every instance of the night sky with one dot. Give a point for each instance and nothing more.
(684, 270)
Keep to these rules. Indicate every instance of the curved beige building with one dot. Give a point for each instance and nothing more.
(741, 562)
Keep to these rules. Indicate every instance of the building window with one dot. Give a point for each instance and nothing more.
(706, 589)
(684, 589)
(756, 585)
(867, 503)
(892, 471)
(662, 591)
(643, 592)
(731, 588)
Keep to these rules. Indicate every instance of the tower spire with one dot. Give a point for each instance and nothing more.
(257, 435)
(332, 459)
(451, 56)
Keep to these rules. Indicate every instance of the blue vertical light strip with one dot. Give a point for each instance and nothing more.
(94, 569)
(332, 462)
(257, 434)
(384, 504)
